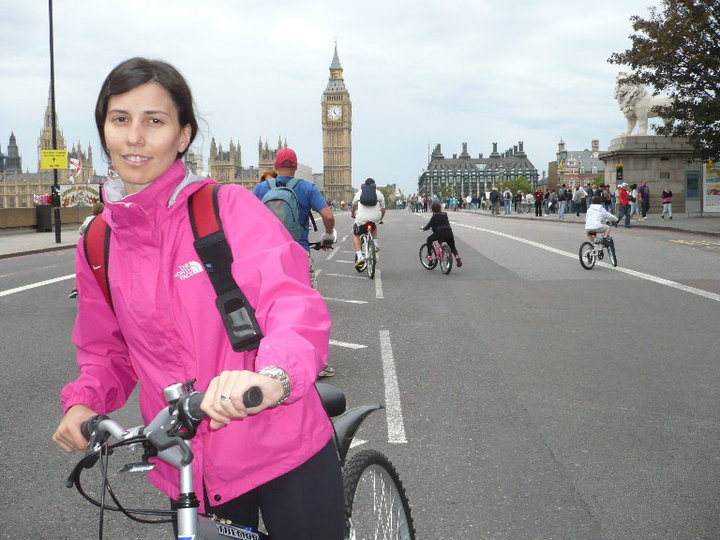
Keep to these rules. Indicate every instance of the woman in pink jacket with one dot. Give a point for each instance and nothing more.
(163, 325)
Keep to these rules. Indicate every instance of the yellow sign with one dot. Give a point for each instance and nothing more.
(53, 159)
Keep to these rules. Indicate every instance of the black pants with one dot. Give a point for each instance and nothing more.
(538, 207)
(304, 504)
(442, 236)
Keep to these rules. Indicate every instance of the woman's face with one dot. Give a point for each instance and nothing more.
(143, 134)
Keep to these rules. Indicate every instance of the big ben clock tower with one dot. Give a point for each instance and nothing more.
(337, 127)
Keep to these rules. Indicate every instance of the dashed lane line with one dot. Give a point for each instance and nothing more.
(393, 408)
(648, 277)
(344, 300)
(378, 284)
(347, 345)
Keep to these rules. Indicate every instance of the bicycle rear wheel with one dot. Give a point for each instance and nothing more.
(587, 255)
(363, 249)
(370, 258)
(611, 252)
(424, 257)
(376, 505)
(446, 261)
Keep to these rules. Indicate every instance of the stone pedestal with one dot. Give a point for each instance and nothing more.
(657, 159)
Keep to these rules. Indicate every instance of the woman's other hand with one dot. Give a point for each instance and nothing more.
(68, 435)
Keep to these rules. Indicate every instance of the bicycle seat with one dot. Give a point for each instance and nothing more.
(332, 398)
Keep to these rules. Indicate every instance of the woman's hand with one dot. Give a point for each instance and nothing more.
(68, 435)
(223, 399)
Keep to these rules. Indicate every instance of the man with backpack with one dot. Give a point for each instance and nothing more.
(292, 200)
(367, 205)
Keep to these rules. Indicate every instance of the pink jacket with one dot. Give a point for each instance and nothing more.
(166, 329)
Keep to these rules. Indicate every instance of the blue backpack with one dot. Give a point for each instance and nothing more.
(283, 202)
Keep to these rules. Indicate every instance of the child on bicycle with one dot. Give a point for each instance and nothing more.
(595, 217)
(442, 231)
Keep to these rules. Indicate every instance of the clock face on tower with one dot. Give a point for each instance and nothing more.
(334, 112)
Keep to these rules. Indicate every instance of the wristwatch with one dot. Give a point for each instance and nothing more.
(278, 374)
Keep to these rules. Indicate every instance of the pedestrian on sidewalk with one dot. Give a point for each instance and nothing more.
(667, 202)
(577, 199)
(561, 201)
(624, 201)
(644, 191)
(538, 202)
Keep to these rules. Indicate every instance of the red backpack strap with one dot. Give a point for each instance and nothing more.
(204, 211)
(96, 242)
(237, 314)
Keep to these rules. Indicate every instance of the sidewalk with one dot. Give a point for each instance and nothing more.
(27, 240)
(708, 224)
(15, 242)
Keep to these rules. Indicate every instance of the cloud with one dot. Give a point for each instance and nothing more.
(419, 73)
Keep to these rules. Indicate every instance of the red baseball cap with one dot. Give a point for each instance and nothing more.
(286, 159)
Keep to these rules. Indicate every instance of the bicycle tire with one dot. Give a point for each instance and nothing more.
(376, 505)
(446, 261)
(424, 257)
(587, 255)
(371, 260)
(361, 268)
(611, 253)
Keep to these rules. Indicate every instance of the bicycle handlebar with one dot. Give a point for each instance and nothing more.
(101, 427)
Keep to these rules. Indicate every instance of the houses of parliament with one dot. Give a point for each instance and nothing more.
(17, 188)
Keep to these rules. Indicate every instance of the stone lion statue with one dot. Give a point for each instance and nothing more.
(637, 105)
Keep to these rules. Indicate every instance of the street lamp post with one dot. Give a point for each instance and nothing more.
(56, 186)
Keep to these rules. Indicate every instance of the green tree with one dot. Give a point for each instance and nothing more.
(515, 184)
(677, 51)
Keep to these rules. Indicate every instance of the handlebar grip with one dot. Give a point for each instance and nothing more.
(85, 430)
(193, 405)
(253, 397)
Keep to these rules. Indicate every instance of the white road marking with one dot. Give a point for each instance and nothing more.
(347, 345)
(396, 428)
(34, 285)
(378, 285)
(345, 276)
(649, 277)
(331, 254)
(344, 300)
(357, 442)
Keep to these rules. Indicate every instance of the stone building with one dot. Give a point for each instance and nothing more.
(575, 167)
(474, 176)
(17, 188)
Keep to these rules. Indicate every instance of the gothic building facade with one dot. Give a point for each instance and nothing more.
(467, 175)
(336, 114)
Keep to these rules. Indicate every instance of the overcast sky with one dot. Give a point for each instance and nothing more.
(419, 73)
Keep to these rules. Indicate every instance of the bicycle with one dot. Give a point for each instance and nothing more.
(376, 505)
(592, 251)
(441, 253)
(369, 251)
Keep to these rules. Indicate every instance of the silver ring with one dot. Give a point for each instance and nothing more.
(225, 398)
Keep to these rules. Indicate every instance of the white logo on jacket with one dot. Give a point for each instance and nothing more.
(188, 270)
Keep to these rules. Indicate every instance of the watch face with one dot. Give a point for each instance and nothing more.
(334, 112)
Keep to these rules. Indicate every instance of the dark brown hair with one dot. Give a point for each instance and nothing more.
(436, 207)
(137, 71)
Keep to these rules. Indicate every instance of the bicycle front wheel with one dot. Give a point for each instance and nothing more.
(376, 505)
(371, 258)
(611, 253)
(587, 255)
(446, 260)
(424, 257)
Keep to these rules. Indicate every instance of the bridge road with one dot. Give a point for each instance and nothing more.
(525, 413)
(541, 400)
